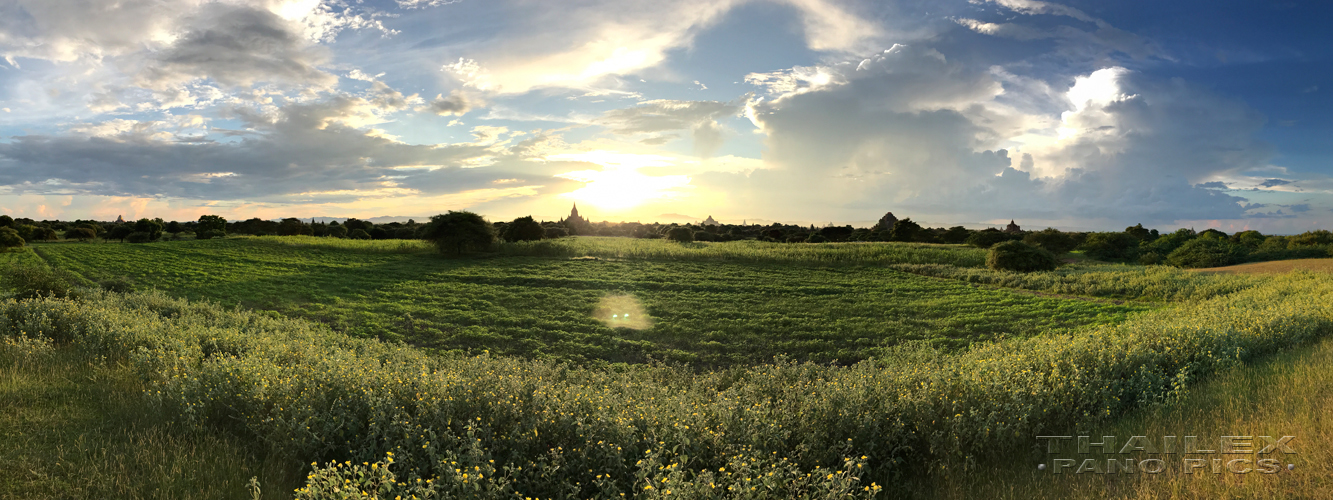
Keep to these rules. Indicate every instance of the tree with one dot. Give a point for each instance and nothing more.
(354, 224)
(174, 228)
(836, 233)
(1111, 246)
(358, 234)
(210, 226)
(459, 231)
(1251, 238)
(337, 231)
(987, 238)
(9, 238)
(6, 221)
(152, 229)
(1208, 252)
(680, 234)
(816, 238)
(80, 233)
(119, 232)
(1052, 240)
(556, 232)
(523, 229)
(294, 227)
(1138, 232)
(1020, 257)
(956, 235)
(1311, 238)
(704, 236)
(904, 230)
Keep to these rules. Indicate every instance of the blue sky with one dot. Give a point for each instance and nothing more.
(1079, 114)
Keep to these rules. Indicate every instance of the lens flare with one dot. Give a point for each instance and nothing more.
(617, 310)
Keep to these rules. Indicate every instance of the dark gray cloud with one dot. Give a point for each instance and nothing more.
(1274, 182)
(1212, 185)
(301, 148)
(455, 104)
(239, 45)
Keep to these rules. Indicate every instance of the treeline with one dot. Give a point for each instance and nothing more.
(1182, 248)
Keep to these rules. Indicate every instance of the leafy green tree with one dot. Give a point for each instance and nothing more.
(174, 228)
(459, 231)
(987, 238)
(152, 229)
(354, 224)
(905, 230)
(358, 234)
(1019, 256)
(214, 225)
(120, 232)
(523, 229)
(1208, 252)
(680, 234)
(836, 233)
(1052, 240)
(337, 231)
(704, 236)
(816, 238)
(80, 233)
(139, 237)
(1168, 243)
(556, 232)
(6, 221)
(1212, 233)
(956, 235)
(1138, 232)
(1250, 239)
(294, 227)
(1111, 246)
(9, 238)
(1311, 238)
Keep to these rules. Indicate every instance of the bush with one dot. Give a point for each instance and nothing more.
(359, 234)
(1311, 238)
(956, 235)
(9, 238)
(523, 229)
(1167, 243)
(338, 231)
(1052, 240)
(1151, 259)
(30, 281)
(1019, 256)
(556, 232)
(209, 234)
(816, 238)
(704, 236)
(140, 237)
(987, 238)
(81, 234)
(680, 234)
(1208, 252)
(459, 231)
(1111, 246)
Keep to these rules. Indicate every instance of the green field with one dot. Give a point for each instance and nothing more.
(732, 304)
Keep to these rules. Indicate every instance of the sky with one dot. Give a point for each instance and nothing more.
(1079, 115)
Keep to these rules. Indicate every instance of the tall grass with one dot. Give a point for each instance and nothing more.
(1101, 280)
(544, 429)
(751, 251)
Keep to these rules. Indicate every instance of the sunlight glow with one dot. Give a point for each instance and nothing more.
(619, 185)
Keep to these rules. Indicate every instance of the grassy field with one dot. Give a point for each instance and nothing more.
(706, 312)
(1274, 267)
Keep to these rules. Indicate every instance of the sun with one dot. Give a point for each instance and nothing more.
(619, 185)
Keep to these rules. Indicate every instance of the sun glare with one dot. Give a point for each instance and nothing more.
(619, 185)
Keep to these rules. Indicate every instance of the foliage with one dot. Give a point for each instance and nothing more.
(1311, 238)
(151, 229)
(359, 234)
(1251, 239)
(211, 223)
(120, 232)
(680, 234)
(80, 233)
(955, 235)
(553, 430)
(816, 238)
(523, 229)
(1020, 257)
(139, 237)
(1052, 240)
(904, 230)
(6, 221)
(708, 312)
(1139, 232)
(1095, 279)
(556, 232)
(1207, 252)
(30, 280)
(705, 236)
(9, 238)
(209, 234)
(337, 231)
(458, 232)
(1111, 246)
(1167, 243)
(987, 238)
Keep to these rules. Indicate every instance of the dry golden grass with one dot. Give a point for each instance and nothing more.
(1288, 394)
(1274, 267)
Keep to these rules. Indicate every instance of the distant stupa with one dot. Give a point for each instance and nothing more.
(120, 219)
(1012, 228)
(710, 222)
(575, 223)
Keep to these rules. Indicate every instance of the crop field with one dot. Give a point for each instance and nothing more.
(1274, 267)
(731, 304)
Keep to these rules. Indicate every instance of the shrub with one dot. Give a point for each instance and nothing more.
(9, 238)
(1167, 243)
(1151, 259)
(1111, 246)
(209, 234)
(151, 228)
(956, 235)
(987, 238)
(1251, 239)
(359, 234)
(1207, 252)
(816, 238)
(30, 281)
(1052, 240)
(556, 232)
(338, 231)
(140, 237)
(459, 231)
(1019, 256)
(1311, 238)
(523, 229)
(680, 234)
(704, 236)
(81, 234)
